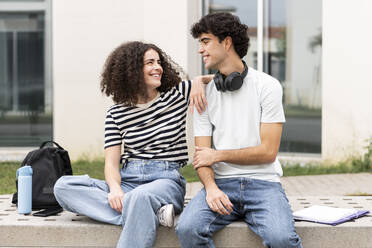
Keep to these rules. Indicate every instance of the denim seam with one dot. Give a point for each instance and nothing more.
(258, 227)
(209, 225)
(241, 196)
(148, 243)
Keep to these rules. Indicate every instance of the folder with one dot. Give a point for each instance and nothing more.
(328, 215)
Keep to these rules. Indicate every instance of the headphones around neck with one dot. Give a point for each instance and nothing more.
(232, 82)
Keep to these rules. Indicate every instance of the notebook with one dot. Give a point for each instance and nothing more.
(328, 215)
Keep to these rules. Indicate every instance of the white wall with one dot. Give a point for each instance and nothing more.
(84, 33)
(167, 24)
(347, 83)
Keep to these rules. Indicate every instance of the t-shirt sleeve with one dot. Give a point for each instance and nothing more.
(271, 103)
(112, 132)
(202, 124)
(185, 88)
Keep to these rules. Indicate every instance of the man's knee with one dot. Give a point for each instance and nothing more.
(183, 228)
(283, 240)
(187, 226)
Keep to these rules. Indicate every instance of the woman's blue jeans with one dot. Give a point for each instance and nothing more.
(261, 204)
(147, 185)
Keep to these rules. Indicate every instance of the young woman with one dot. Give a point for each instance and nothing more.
(149, 122)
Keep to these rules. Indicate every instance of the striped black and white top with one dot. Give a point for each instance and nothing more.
(157, 132)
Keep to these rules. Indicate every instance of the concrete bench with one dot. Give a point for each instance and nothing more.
(70, 230)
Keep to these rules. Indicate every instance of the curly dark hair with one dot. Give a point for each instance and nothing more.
(122, 76)
(223, 24)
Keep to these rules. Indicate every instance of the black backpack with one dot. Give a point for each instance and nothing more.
(48, 164)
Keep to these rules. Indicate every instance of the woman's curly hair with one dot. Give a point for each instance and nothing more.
(224, 24)
(123, 78)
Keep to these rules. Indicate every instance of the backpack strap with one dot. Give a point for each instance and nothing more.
(66, 158)
(30, 159)
(50, 141)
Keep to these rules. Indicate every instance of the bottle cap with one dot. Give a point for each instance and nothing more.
(24, 171)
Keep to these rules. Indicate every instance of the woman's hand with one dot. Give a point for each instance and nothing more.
(204, 157)
(115, 198)
(197, 94)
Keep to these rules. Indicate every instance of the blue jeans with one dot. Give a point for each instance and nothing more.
(261, 204)
(147, 185)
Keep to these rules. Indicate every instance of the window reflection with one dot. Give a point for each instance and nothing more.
(292, 41)
(25, 116)
(292, 54)
(247, 12)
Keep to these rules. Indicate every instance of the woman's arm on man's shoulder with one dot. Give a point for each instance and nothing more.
(197, 94)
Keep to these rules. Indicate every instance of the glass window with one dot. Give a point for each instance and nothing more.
(292, 42)
(292, 54)
(247, 12)
(25, 104)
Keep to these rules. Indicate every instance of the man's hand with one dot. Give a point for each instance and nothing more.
(197, 95)
(204, 157)
(218, 201)
(115, 198)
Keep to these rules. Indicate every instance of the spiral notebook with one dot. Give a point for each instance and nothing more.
(328, 215)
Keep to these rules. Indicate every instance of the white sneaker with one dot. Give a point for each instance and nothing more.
(166, 215)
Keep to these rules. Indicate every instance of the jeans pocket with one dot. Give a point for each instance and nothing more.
(131, 174)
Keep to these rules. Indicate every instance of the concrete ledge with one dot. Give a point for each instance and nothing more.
(71, 230)
(14, 153)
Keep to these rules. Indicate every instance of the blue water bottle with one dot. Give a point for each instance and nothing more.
(24, 176)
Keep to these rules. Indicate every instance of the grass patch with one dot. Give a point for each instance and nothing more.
(81, 167)
(93, 168)
(8, 173)
(309, 169)
(189, 173)
(354, 164)
(8, 177)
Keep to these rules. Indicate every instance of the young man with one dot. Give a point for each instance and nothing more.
(243, 121)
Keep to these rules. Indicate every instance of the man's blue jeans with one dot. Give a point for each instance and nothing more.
(263, 205)
(147, 185)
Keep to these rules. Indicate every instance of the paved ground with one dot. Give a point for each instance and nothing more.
(320, 185)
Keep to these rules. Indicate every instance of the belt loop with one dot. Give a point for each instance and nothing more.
(166, 165)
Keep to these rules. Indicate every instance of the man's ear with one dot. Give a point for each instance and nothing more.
(227, 43)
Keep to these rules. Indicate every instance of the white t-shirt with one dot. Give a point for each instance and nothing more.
(233, 120)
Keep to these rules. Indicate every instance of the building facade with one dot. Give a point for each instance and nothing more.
(52, 54)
